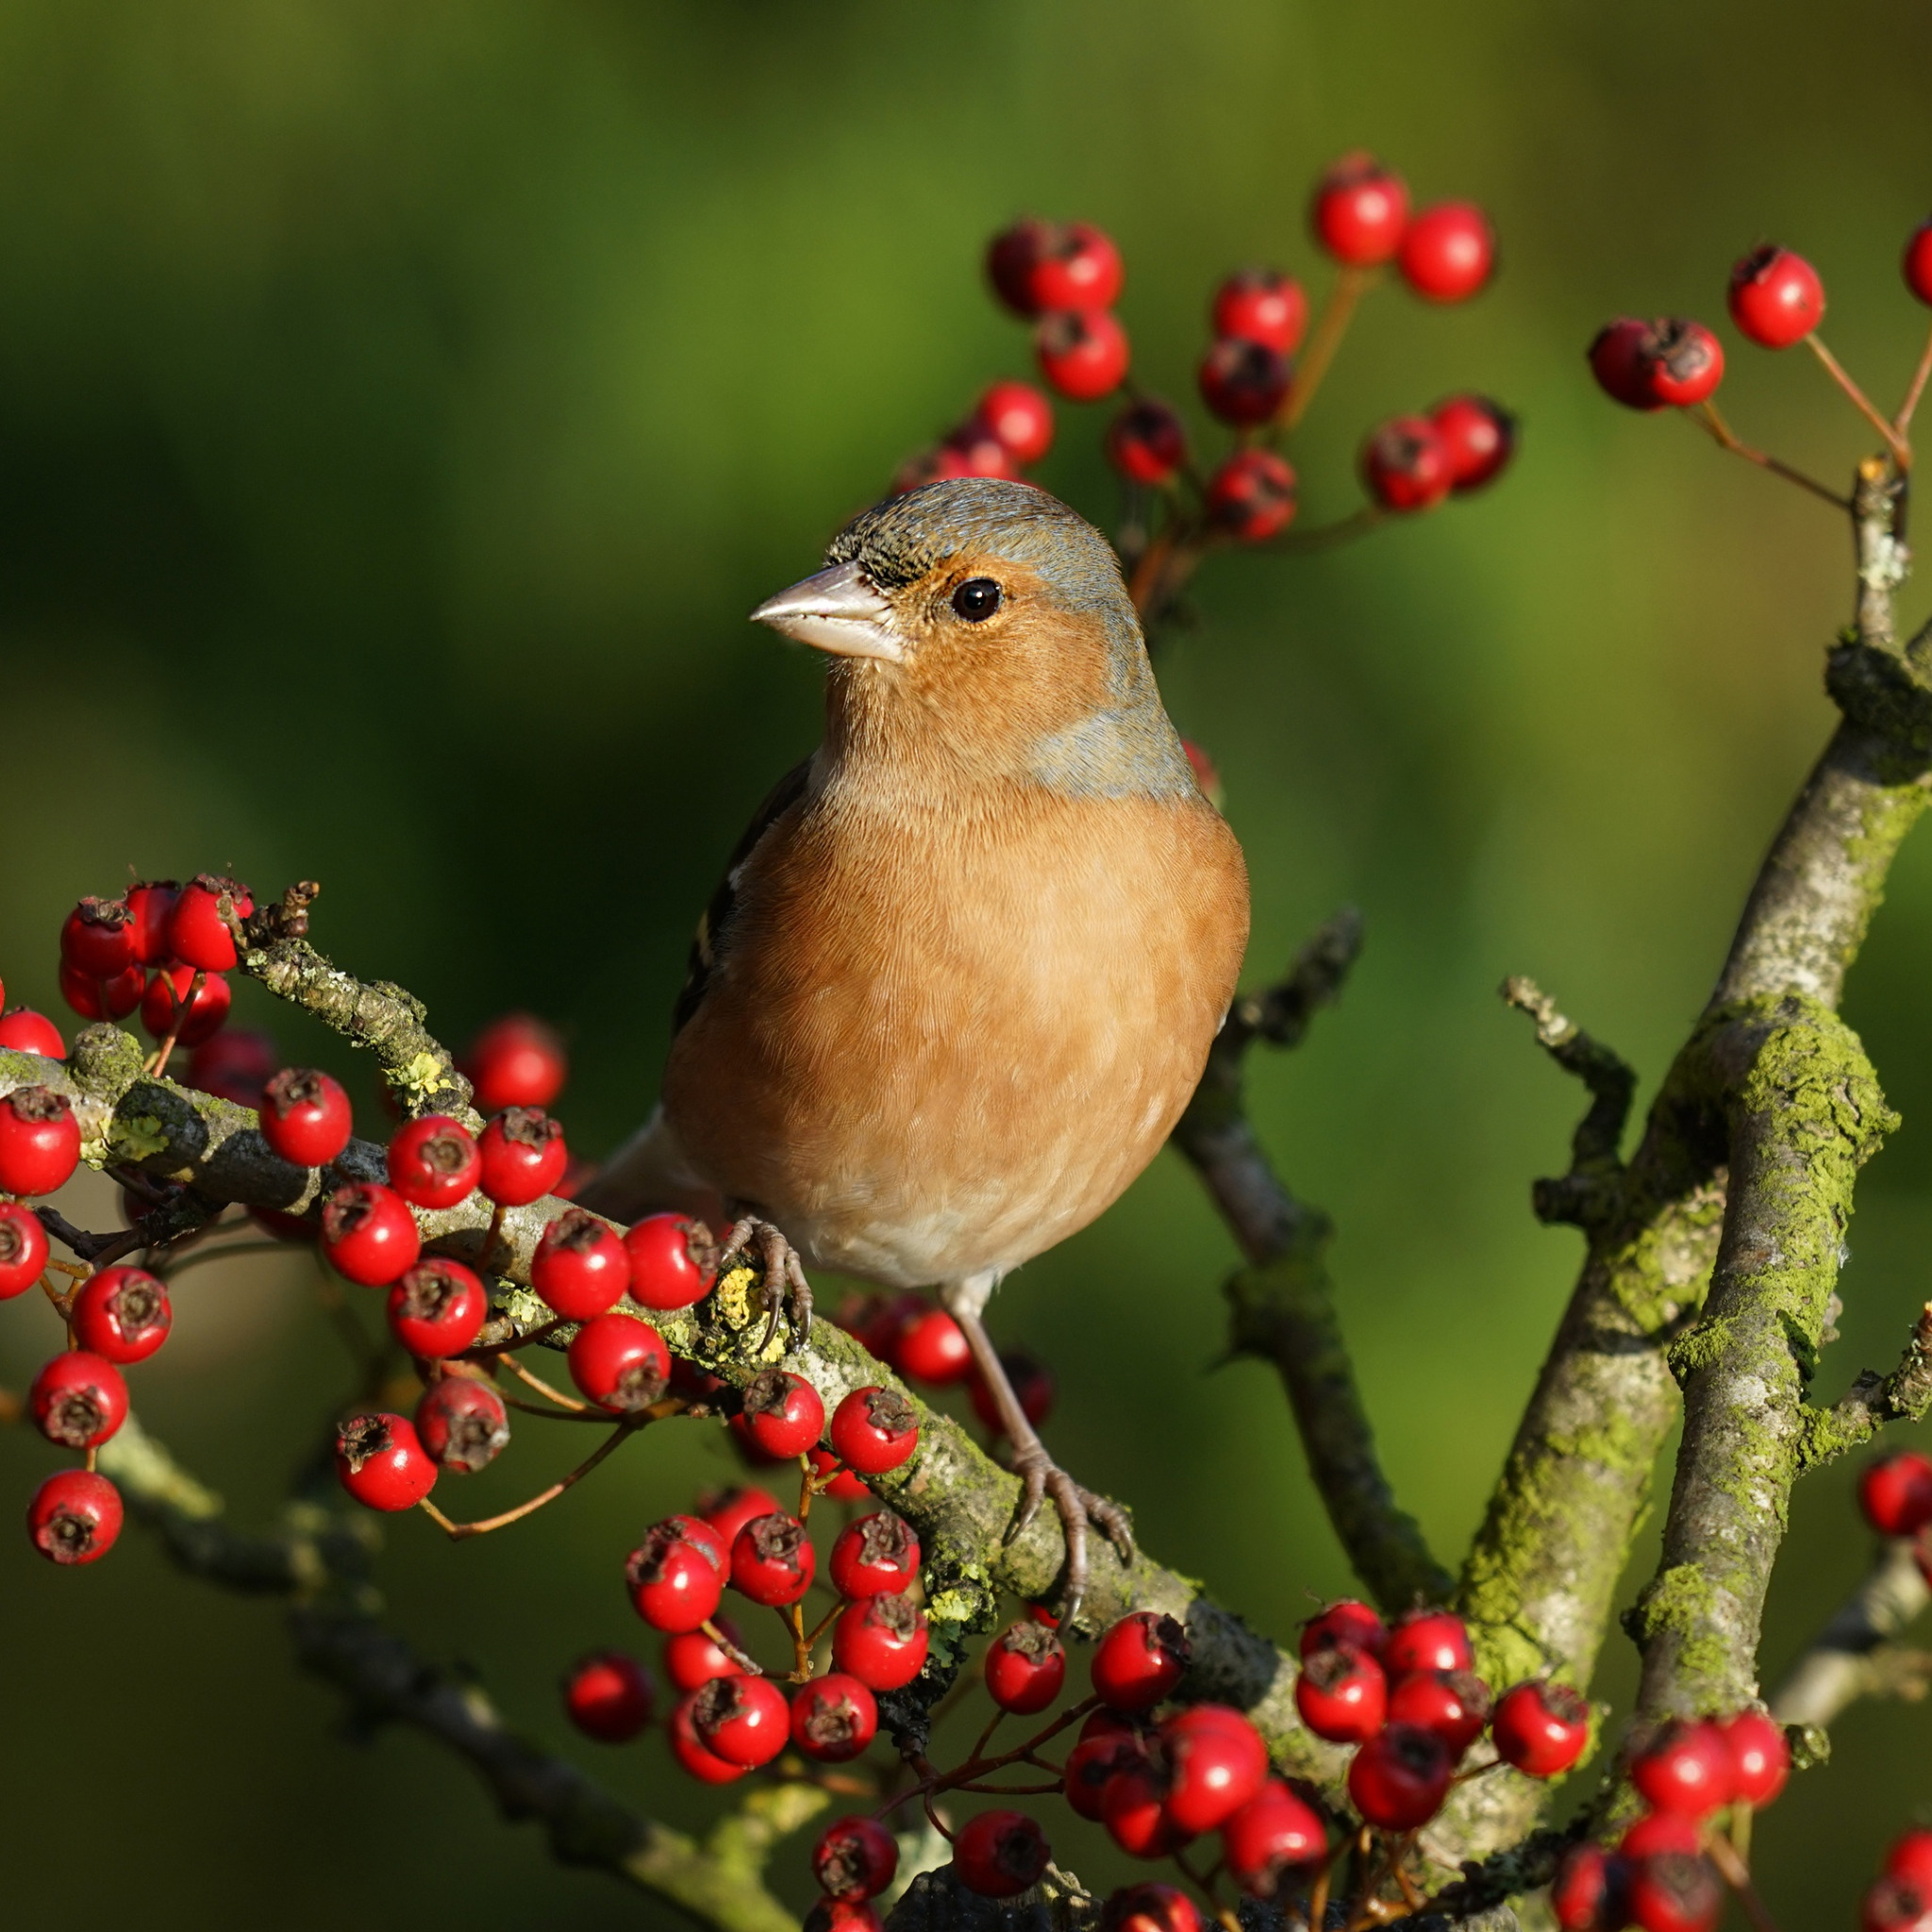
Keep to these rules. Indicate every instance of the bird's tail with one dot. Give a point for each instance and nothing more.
(649, 1175)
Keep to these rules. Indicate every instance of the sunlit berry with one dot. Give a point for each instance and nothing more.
(1400, 1776)
(1133, 1808)
(999, 1854)
(1261, 305)
(369, 1235)
(1427, 1639)
(1479, 437)
(121, 1314)
(1252, 495)
(620, 1363)
(1775, 297)
(693, 1754)
(150, 908)
(1021, 417)
(103, 999)
(1911, 1858)
(674, 1262)
(1342, 1695)
(437, 1307)
(524, 1156)
(1895, 1904)
(1685, 1769)
(1082, 355)
(745, 1719)
(199, 931)
(881, 1641)
(22, 1030)
(304, 1116)
(1679, 363)
(608, 1696)
(381, 1462)
(1216, 1763)
(581, 1266)
(97, 939)
(78, 1399)
(1076, 266)
(874, 1430)
(971, 450)
(1540, 1727)
(931, 1347)
(1150, 1906)
(515, 1061)
(434, 1162)
(1344, 1624)
(1455, 1704)
(462, 1424)
(772, 1561)
(40, 1140)
(855, 1858)
(675, 1580)
(1657, 1832)
(834, 1479)
(1895, 1493)
(1404, 465)
(729, 1511)
(186, 1002)
(1147, 443)
(74, 1517)
(1139, 1661)
(24, 1249)
(1761, 1756)
(1447, 251)
(1674, 1891)
(834, 1718)
(874, 1555)
(695, 1656)
(1025, 1666)
(1271, 1836)
(1359, 211)
(783, 1412)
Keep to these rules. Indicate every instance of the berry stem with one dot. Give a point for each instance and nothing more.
(808, 1488)
(543, 1387)
(457, 1532)
(1737, 1875)
(744, 1662)
(978, 1750)
(1324, 537)
(490, 1238)
(1330, 326)
(1903, 420)
(1900, 450)
(182, 1010)
(1707, 418)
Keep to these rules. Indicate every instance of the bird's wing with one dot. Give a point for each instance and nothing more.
(712, 937)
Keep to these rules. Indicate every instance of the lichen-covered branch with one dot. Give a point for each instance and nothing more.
(1872, 1401)
(1282, 1305)
(1857, 1653)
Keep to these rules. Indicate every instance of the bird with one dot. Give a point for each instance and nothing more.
(965, 966)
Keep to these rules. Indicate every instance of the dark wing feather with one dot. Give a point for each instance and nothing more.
(708, 942)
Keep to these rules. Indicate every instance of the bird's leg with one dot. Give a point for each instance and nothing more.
(1039, 1473)
(782, 1287)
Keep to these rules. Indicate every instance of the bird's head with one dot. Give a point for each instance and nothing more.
(981, 628)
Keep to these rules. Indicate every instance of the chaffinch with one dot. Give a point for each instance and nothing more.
(965, 965)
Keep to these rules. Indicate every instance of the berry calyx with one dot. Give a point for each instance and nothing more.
(121, 1314)
(1359, 211)
(674, 1262)
(675, 1580)
(1540, 1729)
(462, 1424)
(1082, 355)
(874, 1555)
(186, 1002)
(608, 1696)
(24, 1250)
(1252, 495)
(515, 1061)
(1242, 382)
(1020, 418)
(1455, 1704)
(1025, 1666)
(620, 1363)
(1262, 305)
(834, 1718)
(1479, 437)
(1674, 1891)
(998, 1854)
(1140, 1661)
(1147, 443)
(1775, 297)
(692, 1658)
(743, 1720)
(369, 1235)
(434, 1162)
(97, 939)
(1679, 363)
(1271, 1835)
(1761, 1756)
(693, 1754)
(772, 1561)
(199, 931)
(437, 1307)
(1447, 251)
(1216, 1763)
(1404, 465)
(306, 1116)
(383, 1463)
(874, 1430)
(1428, 1640)
(22, 1030)
(1686, 1769)
(524, 1156)
(1917, 263)
(855, 1858)
(1895, 1493)
(74, 1517)
(729, 1512)
(1400, 1776)
(581, 1266)
(40, 1140)
(1342, 1695)
(1347, 1626)
(881, 1641)
(78, 1399)
(783, 1412)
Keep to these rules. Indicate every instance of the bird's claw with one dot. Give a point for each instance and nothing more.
(783, 1291)
(1041, 1476)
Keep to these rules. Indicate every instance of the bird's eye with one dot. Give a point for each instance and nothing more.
(976, 599)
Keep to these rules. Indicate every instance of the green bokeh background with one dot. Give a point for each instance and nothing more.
(399, 407)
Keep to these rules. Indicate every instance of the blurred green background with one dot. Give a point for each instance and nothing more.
(399, 409)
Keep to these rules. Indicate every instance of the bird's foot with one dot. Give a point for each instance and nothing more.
(783, 1291)
(1041, 1476)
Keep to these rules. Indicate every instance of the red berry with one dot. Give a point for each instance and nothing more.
(1454, 1704)
(1587, 1893)
(1010, 262)
(1131, 1807)
(97, 939)
(608, 1696)
(434, 1162)
(1776, 298)
(381, 1462)
(103, 999)
(462, 1424)
(1139, 1661)
(874, 1555)
(675, 1580)
(1917, 264)
(1147, 443)
(772, 1561)
(727, 1511)
(22, 1250)
(1343, 1695)
(997, 1854)
(581, 1266)
(1400, 1776)
(834, 1479)
(22, 1030)
(150, 907)
(1895, 1493)
(40, 1140)
(1896, 1905)
(1679, 363)
(881, 1641)
(692, 1658)
(674, 1262)
(743, 1720)
(304, 1116)
(1405, 465)
(1252, 495)
(1660, 1831)
(1347, 1624)
(1447, 251)
(1262, 305)
(1032, 1382)
(783, 1413)
(834, 1718)
(74, 1517)
(524, 1156)
(971, 450)
(516, 1061)
(1270, 1836)
(1084, 356)
(1361, 210)
(1025, 1666)
(931, 1347)
(1686, 1769)
(1095, 1762)
(1674, 1891)
(843, 1915)
(1149, 1906)
(1760, 1758)
(236, 1064)
(621, 1363)
(1612, 355)
(1428, 1640)
(369, 1234)
(1021, 417)
(198, 933)
(1242, 382)
(121, 1314)
(1216, 1763)
(173, 1003)
(1540, 1729)
(78, 1399)
(1479, 437)
(855, 1858)
(693, 1754)
(1910, 1858)
(437, 1308)
(1074, 266)
(874, 1430)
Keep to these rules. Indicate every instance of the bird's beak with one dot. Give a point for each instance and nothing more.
(836, 611)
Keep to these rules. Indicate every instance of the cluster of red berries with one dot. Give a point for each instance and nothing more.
(927, 1347)
(1065, 278)
(1661, 1876)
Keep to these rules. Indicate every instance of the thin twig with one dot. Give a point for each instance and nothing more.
(1706, 417)
(456, 1532)
(1350, 285)
(543, 1387)
(1900, 450)
(1903, 420)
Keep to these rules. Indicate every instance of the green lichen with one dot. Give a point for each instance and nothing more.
(1681, 1600)
(1698, 1347)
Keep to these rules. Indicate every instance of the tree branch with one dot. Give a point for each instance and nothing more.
(1853, 1656)
(1873, 1401)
